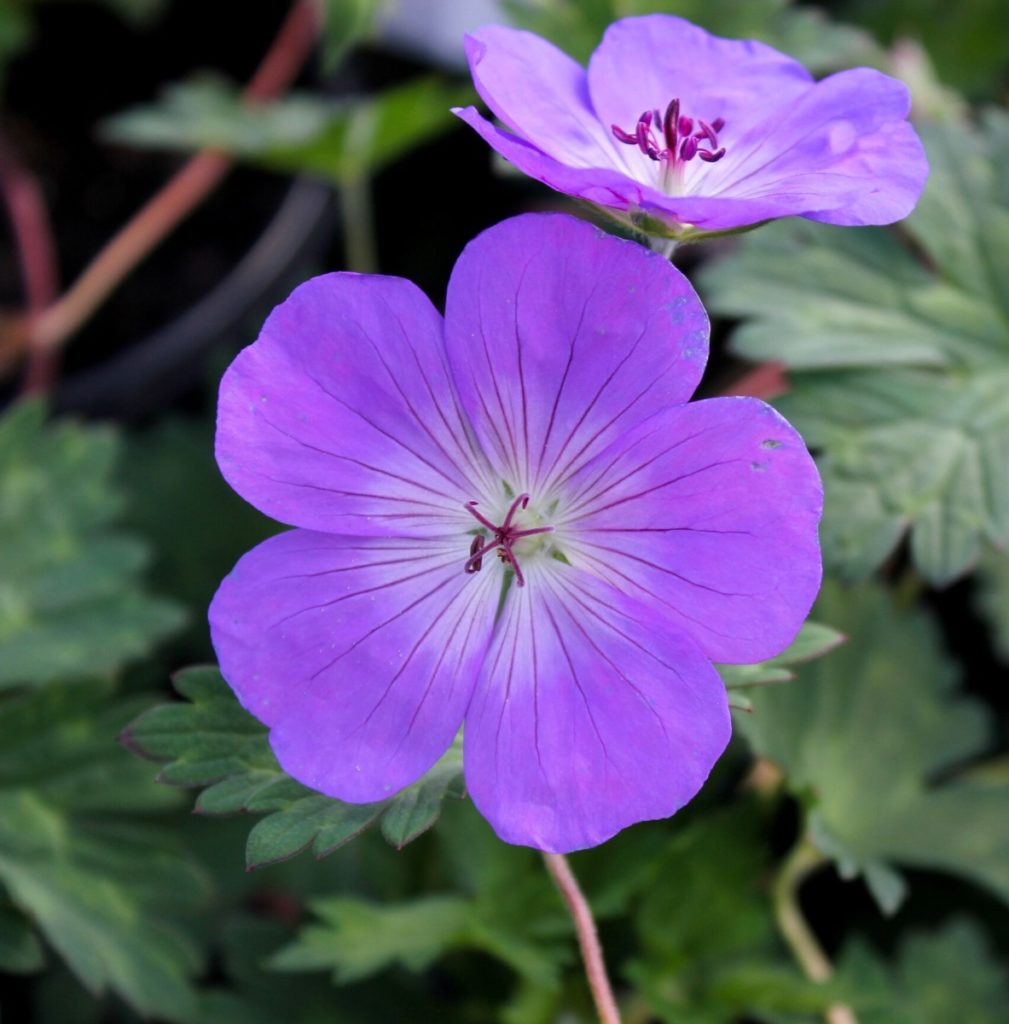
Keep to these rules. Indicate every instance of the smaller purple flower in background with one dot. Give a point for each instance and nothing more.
(508, 517)
(679, 132)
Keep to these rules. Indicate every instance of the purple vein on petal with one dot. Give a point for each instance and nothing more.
(570, 468)
(588, 491)
(468, 596)
(367, 590)
(358, 462)
(599, 562)
(459, 481)
(641, 494)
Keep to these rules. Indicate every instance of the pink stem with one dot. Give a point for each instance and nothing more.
(588, 937)
(36, 249)
(767, 381)
(198, 177)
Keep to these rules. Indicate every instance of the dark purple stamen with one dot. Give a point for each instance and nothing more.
(503, 538)
(682, 143)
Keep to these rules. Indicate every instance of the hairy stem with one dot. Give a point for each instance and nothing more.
(198, 177)
(588, 937)
(36, 251)
(797, 867)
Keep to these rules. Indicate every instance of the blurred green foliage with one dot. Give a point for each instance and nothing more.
(213, 742)
(899, 347)
(808, 34)
(898, 350)
(340, 141)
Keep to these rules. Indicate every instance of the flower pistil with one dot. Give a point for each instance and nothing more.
(682, 141)
(503, 537)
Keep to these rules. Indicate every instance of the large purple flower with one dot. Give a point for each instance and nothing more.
(512, 518)
(680, 132)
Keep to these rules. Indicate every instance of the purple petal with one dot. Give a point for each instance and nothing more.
(542, 95)
(341, 417)
(842, 153)
(561, 337)
(359, 653)
(603, 185)
(592, 713)
(709, 512)
(645, 62)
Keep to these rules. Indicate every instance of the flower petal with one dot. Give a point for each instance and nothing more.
(602, 185)
(560, 336)
(643, 63)
(359, 653)
(592, 713)
(710, 512)
(842, 153)
(542, 95)
(342, 417)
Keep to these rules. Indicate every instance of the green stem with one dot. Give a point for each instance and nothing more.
(358, 226)
(803, 861)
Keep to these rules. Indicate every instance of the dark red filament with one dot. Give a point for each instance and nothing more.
(679, 141)
(502, 537)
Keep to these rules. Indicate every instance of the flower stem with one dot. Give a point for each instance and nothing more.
(766, 381)
(36, 250)
(797, 867)
(358, 226)
(198, 177)
(588, 937)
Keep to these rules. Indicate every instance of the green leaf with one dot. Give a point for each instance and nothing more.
(357, 938)
(899, 351)
(197, 526)
(339, 141)
(577, 26)
(344, 24)
(20, 950)
(814, 640)
(212, 742)
(863, 740)
(946, 975)
(507, 907)
(110, 896)
(71, 606)
(993, 597)
(709, 949)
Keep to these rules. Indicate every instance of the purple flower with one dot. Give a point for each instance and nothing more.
(508, 517)
(679, 132)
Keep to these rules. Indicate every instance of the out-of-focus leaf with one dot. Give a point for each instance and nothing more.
(865, 739)
(942, 976)
(20, 949)
(899, 352)
(344, 24)
(908, 450)
(195, 523)
(71, 606)
(356, 938)
(108, 895)
(993, 597)
(814, 640)
(959, 38)
(339, 141)
(210, 741)
(808, 35)
(15, 33)
(708, 945)
(505, 906)
(140, 12)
